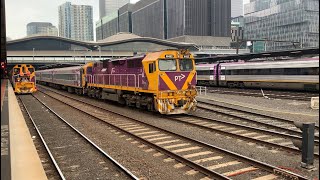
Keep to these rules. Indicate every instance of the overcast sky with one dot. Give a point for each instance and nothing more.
(21, 12)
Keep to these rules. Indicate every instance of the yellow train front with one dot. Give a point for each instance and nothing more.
(23, 79)
(171, 76)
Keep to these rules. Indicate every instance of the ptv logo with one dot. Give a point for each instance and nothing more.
(179, 78)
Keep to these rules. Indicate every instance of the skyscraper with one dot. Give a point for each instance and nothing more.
(197, 18)
(236, 8)
(65, 20)
(76, 22)
(290, 20)
(166, 19)
(109, 6)
(41, 28)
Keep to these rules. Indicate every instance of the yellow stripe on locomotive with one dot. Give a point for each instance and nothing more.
(23, 79)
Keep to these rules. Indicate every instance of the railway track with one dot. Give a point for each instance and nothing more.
(66, 153)
(267, 93)
(210, 160)
(254, 119)
(253, 135)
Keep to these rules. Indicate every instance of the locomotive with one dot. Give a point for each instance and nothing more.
(160, 81)
(23, 79)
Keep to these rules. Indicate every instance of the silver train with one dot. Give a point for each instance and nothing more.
(298, 74)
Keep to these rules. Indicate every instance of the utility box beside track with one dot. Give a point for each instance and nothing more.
(315, 103)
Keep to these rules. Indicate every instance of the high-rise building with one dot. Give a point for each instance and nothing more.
(76, 22)
(107, 7)
(165, 19)
(285, 20)
(197, 18)
(65, 20)
(236, 8)
(41, 28)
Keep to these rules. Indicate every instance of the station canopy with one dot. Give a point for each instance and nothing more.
(125, 42)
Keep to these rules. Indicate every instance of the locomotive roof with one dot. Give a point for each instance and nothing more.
(127, 58)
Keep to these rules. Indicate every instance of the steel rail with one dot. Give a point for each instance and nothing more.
(254, 113)
(259, 164)
(254, 121)
(127, 172)
(270, 144)
(179, 158)
(257, 93)
(43, 141)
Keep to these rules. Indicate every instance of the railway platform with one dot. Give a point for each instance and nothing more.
(19, 157)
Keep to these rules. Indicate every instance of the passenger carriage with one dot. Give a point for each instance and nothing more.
(299, 74)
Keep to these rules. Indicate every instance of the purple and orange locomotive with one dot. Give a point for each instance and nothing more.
(161, 81)
(23, 79)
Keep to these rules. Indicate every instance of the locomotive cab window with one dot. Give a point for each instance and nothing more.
(16, 70)
(31, 70)
(186, 64)
(168, 65)
(152, 67)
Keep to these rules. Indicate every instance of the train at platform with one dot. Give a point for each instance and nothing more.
(23, 79)
(298, 74)
(162, 81)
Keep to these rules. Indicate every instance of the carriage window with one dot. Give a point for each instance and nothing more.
(167, 65)
(186, 65)
(206, 72)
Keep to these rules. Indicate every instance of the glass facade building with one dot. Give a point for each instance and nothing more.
(166, 19)
(41, 28)
(148, 18)
(198, 18)
(283, 20)
(106, 7)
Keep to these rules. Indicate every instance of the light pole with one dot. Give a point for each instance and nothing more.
(85, 57)
(99, 51)
(33, 53)
(91, 55)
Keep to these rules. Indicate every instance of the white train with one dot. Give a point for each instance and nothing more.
(298, 74)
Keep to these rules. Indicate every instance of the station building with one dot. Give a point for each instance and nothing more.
(52, 49)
